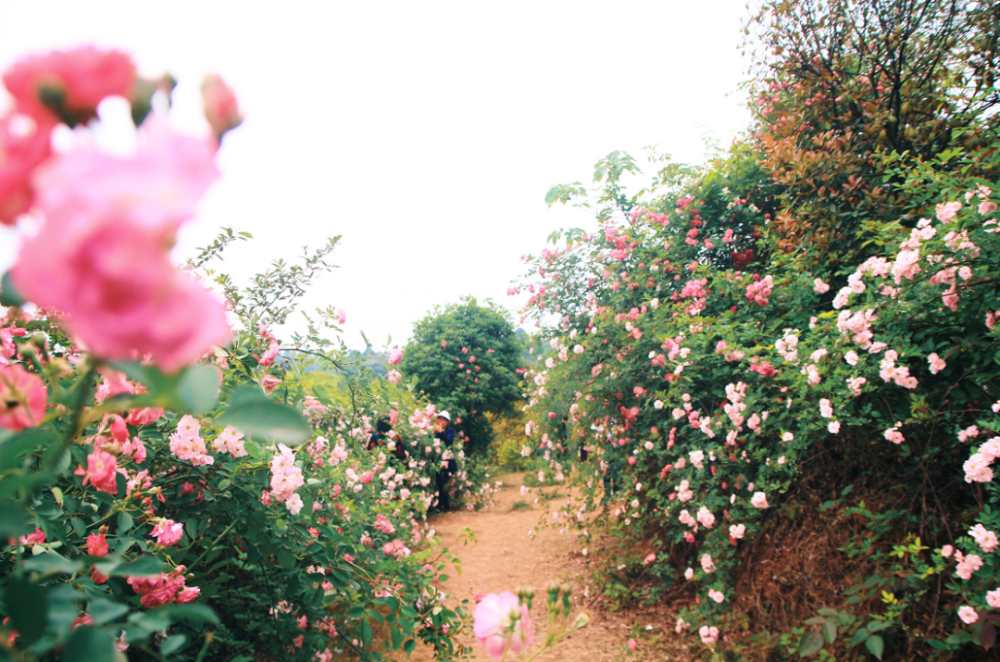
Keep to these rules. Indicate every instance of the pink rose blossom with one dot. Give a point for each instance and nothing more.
(221, 107)
(395, 356)
(759, 500)
(993, 598)
(101, 471)
(968, 614)
(709, 634)
(937, 364)
(820, 286)
(21, 151)
(102, 256)
(946, 211)
(22, 398)
(97, 544)
(502, 624)
(167, 532)
(67, 86)
(947, 550)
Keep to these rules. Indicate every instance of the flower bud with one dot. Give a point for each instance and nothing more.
(581, 621)
(221, 108)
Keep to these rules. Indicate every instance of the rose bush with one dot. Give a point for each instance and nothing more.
(169, 488)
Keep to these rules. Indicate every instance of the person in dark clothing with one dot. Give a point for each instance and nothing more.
(446, 434)
(383, 435)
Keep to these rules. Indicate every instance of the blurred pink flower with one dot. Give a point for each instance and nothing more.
(22, 398)
(500, 621)
(222, 110)
(101, 471)
(102, 255)
(68, 85)
(97, 545)
(395, 356)
(21, 151)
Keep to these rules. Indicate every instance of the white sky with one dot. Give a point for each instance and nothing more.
(426, 133)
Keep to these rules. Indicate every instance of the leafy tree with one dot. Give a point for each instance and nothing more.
(841, 82)
(465, 357)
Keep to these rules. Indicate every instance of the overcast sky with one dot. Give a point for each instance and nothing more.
(425, 133)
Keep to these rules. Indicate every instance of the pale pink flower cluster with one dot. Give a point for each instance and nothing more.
(717, 596)
(970, 432)
(707, 564)
(907, 265)
(706, 517)
(889, 371)
(787, 346)
(759, 500)
(946, 211)
(854, 384)
(825, 408)
(977, 468)
(384, 525)
(894, 435)
(986, 539)
(286, 478)
(993, 598)
(230, 440)
(959, 241)
(187, 444)
(820, 286)
(735, 407)
(937, 364)
(687, 520)
(709, 634)
(684, 492)
(967, 614)
(758, 290)
(737, 531)
(858, 326)
(967, 565)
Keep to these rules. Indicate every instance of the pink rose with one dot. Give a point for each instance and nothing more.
(101, 471)
(501, 623)
(67, 86)
(188, 595)
(269, 382)
(22, 398)
(167, 532)
(759, 500)
(102, 256)
(36, 538)
(97, 544)
(221, 108)
(20, 153)
(395, 356)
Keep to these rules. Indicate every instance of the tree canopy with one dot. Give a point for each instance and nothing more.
(465, 357)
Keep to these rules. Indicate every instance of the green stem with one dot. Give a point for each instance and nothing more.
(212, 546)
(204, 648)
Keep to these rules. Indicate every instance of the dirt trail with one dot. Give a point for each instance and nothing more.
(504, 557)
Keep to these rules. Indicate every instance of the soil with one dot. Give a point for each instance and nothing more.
(505, 556)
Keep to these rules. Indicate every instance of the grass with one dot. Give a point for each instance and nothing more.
(521, 505)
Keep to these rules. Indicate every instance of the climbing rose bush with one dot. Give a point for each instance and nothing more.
(168, 489)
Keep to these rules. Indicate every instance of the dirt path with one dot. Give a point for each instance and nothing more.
(504, 556)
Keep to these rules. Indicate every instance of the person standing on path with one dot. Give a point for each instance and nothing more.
(445, 433)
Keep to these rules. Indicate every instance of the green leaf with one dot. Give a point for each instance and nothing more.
(858, 637)
(829, 630)
(105, 611)
(88, 644)
(253, 413)
(286, 559)
(125, 522)
(13, 520)
(144, 566)
(173, 644)
(366, 632)
(32, 609)
(191, 612)
(9, 296)
(875, 645)
(198, 388)
(51, 563)
(409, 646)
(810, 644)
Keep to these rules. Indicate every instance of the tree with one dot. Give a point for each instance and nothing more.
(841, 83)
(465, 358)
